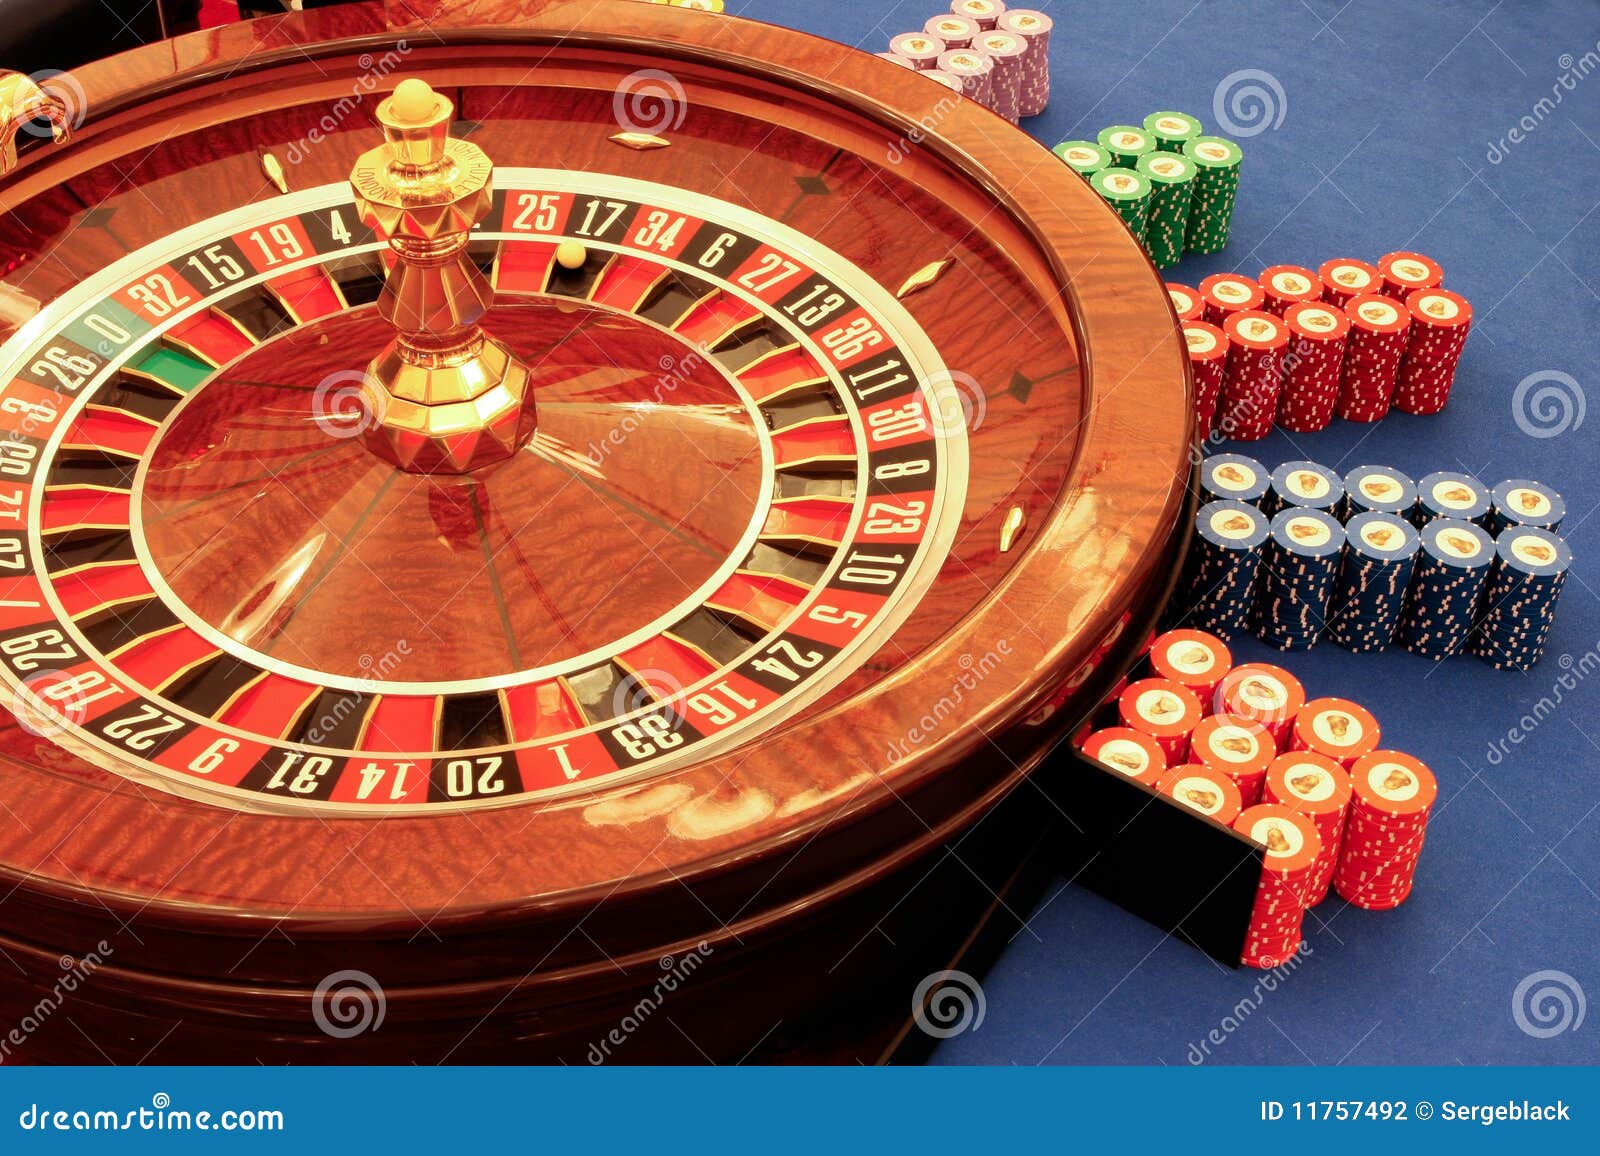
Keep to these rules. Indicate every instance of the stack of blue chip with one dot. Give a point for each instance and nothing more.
(1299, 565)
(1370, 593)
(1447, 494)
(1219, 579)
(1232, 478)
(1378, 489)
(1520, 502)
(1530, 567)
(1306, 485)
(1451, 569)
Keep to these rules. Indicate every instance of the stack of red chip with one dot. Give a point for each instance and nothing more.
(1263, 694)
(1292, 848)
(1186, 302)
(1235, 747)
(1128, 752)
(1253, 378)
(1008, 53)
(1208, 359)
(1344, 277)
(1318, 788)
(1194, 659)
(1283, 285)
(1202, 789)
(1224, 294)
(1314, 365)
(1163, 710)
(1440, 321)
(1379, 332)
(1404, 273)
(1336, 727)
(1033, 28)
(1394, 794)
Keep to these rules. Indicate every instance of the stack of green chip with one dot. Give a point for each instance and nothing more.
(1083, 156)
(1171, 177)
(1216, 183)
(1172, 130)
(1126, 144)
(1128, 193)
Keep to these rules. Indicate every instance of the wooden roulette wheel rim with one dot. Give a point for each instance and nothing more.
(756, 837)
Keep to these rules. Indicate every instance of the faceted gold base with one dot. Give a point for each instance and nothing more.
(483, 414)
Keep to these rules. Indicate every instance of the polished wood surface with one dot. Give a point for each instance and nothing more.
(1048, 305)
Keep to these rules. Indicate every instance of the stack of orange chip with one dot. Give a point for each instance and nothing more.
(1128, 752)
(1192, 658)
(1264, 694)
(1394, 794)
(1292, 848)
(1163, 710)
(1336, 727)
(1319, 788)
(1202, 789)
(1238, 748)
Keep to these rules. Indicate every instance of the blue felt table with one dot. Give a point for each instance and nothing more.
(1395, 133)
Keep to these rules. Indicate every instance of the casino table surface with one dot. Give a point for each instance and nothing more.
(1388, 114)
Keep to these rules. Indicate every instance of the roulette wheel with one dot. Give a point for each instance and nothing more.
(512, 507)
